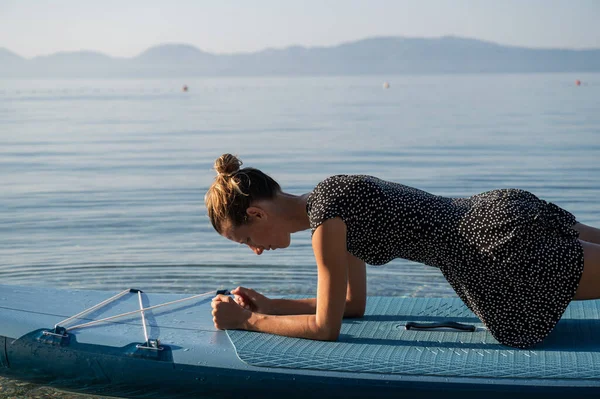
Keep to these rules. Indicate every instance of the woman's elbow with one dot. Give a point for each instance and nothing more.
(326, 332)
(329, 334)
(355, 310)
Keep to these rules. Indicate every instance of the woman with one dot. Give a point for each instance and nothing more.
(516, 261)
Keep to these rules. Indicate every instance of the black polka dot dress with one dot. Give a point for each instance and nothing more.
(514, 259)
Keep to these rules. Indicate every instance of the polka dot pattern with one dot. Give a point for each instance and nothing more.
(513, 259)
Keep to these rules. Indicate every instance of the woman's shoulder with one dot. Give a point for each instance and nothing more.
(341, 196)
(341, 186)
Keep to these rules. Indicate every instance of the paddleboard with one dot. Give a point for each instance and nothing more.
(179, 353)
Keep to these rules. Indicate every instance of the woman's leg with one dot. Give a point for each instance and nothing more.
(588, 233)
(589, 285)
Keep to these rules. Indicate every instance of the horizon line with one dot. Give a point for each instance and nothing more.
(297, 45)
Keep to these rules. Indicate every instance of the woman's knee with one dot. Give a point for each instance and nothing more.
(589, 285)
(588, 233)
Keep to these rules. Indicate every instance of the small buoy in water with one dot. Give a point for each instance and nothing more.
(578, 82)
(185, 88)
(386, 85)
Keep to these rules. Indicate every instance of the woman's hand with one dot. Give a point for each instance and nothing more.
(227, 314)
(252, 300)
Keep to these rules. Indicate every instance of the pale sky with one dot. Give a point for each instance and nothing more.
(125, 28)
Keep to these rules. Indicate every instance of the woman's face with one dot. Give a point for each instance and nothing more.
(262, 233)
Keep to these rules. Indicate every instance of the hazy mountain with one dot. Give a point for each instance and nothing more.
(167, 53)
(382, 55)
(7, 56)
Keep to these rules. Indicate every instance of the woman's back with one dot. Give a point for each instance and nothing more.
(388, 220)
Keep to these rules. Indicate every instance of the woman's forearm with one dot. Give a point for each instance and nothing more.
(293, 306)
(297, 326)
(307, 306)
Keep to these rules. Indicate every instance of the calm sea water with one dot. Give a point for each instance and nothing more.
(102, 181)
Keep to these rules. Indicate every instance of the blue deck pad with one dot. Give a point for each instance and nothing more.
(379, 343)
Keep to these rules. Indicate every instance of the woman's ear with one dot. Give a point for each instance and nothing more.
(256, 212)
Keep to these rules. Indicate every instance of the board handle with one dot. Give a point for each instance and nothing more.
(411, 325)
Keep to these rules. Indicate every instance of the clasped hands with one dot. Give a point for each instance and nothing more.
(233, 313)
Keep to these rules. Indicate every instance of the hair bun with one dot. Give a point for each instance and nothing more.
(227, 164)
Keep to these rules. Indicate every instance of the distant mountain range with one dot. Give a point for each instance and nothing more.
(381, 55)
